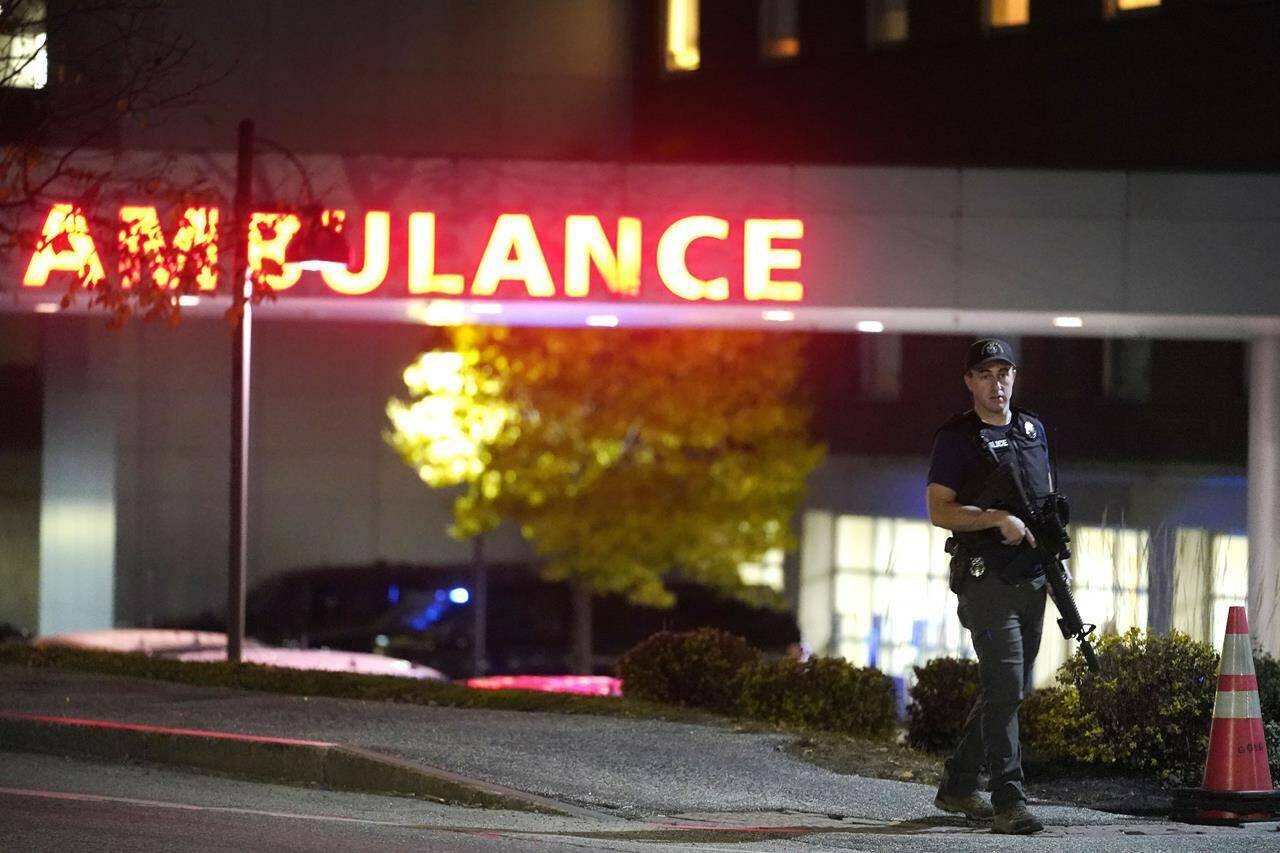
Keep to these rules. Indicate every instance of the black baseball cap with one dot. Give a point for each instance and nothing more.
(989, 349)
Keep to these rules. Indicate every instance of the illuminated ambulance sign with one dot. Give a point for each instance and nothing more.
(689, 258)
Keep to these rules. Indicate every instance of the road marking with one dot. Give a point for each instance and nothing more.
(135, 727)
(480, 831)
(190, 807)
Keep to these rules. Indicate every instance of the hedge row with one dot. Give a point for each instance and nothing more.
(712, 669)
(1147, 711)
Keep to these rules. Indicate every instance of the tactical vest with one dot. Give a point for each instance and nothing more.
(1021, 444)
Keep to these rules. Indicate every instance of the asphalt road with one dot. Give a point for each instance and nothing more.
(56, 804)
(627, 768)
(51, 804)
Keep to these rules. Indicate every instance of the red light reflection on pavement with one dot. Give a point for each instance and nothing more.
(588, 685)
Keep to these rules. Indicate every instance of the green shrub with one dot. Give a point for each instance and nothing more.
(825, 693)
(1053, 727)
(1268, 672)
(1149, 708)
(1272, 732)
(697, 669)
(941, 698)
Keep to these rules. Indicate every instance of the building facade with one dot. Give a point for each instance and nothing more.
(937, 178)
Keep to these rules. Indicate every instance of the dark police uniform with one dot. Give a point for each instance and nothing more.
(1002, 600)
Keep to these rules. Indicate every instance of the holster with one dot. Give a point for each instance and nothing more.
(955, 574)
(960, 569)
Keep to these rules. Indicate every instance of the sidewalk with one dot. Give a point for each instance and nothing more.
(622, 768)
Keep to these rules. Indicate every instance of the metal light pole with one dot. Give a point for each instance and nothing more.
(314, 247)
(240, 360)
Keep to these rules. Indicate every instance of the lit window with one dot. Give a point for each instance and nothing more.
(682, 35)
(1110, 569)
(1113, 7)
(874, 590)
(1007, 13)
(887, 21)
(884, 594)
(1210, 575)
(1110, 582)
(1231, 580)
(779, 29)
(24, 63)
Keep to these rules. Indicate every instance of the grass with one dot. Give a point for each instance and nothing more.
(341, 685)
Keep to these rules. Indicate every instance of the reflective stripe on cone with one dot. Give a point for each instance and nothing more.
(1237, 705)
(1237, 655)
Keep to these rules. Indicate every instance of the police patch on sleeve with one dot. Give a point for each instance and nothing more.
(1029, 428)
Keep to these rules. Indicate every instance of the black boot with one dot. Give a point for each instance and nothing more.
(1014, 819)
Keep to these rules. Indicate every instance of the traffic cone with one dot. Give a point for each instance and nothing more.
(1237, 759)
(1237, 778)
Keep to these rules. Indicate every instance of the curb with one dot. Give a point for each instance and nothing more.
(283, 760)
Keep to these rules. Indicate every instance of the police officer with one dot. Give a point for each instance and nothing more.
(1002, 599)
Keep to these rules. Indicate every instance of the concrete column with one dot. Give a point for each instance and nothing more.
(1264, 492)
(817, 611)
(78, 479)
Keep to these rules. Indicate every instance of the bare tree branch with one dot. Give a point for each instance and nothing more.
(112, 63)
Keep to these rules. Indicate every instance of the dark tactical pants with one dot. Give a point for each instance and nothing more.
(1006, 623)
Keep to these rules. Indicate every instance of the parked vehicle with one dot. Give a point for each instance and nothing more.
(426, 614)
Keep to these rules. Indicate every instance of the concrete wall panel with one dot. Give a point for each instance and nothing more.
(1043, 193)
(1204, 267)
(889, 260)
(870, 190)
(1069, 265)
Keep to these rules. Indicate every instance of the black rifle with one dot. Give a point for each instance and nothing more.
(1048, 526)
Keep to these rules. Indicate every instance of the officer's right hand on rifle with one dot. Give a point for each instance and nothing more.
(1013, 529)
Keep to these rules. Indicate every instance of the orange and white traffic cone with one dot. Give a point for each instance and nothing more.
(1237, 779)
(1237, 759)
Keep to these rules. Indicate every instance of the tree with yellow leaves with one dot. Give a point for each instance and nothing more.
(622, 455)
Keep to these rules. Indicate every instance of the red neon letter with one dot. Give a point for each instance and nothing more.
(422, 259)
(377, 257)
(585, 243)
(760, 259)
(65, 244)
(269, 234)
(672, 249)
(513, 231)
(143, 247)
